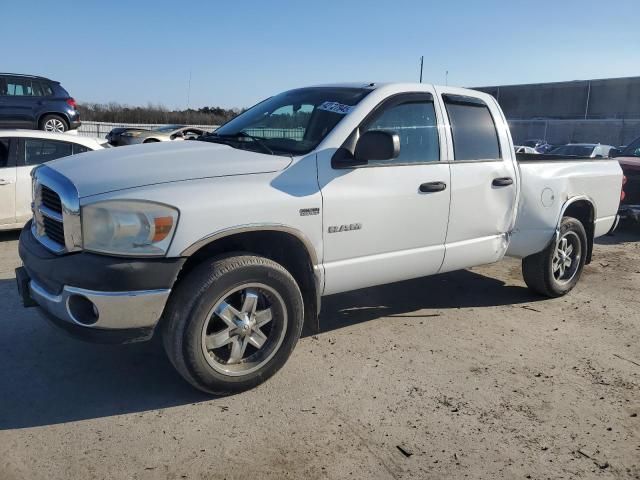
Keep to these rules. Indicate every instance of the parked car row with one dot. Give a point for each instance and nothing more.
(132, 136)
(584, 150)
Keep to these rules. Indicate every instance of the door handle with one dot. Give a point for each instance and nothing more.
(5, 182)
(430, 187)
(502, 182)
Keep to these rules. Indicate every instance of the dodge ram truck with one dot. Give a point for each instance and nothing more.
(226, 245)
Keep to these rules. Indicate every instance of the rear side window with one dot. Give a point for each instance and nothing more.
(46, 89)
(415, 123)
(19, 87)
(3, 86)
(474, 132)
(38, 151)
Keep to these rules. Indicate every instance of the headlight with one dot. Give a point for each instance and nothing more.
(128, 227)
(131, 134)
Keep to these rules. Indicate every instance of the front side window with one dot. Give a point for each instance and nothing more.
(3, 86)
(38, 151)
(291, 123)
(474, 132)
(416, 125)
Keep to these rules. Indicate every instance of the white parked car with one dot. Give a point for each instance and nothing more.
(20, 152)
(525, 149)
(226, 245)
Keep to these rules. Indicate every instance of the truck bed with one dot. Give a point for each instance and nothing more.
(547, 182)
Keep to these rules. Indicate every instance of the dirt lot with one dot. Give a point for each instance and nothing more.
(463, 375)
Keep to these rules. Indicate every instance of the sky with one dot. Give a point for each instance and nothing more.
(238, 53)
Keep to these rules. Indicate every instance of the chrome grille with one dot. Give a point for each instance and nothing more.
(56, 211)
(51, 199)
(54, 230)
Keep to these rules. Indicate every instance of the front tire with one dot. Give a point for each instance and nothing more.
(54, 124)
(232, 323)
(556, 270)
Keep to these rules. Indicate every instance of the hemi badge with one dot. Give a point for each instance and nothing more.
(305, 212)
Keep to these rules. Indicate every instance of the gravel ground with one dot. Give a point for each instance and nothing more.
(463, 375)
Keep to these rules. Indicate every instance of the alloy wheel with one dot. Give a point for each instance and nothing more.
(566, 257)
(244, 329)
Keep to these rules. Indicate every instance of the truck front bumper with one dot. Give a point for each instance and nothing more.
(96, 297)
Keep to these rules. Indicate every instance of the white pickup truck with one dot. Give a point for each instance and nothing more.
(226, 245)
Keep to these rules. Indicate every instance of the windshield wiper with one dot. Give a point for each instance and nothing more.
(258, 140)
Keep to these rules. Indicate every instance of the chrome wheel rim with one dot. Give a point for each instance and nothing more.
(566, 258)
(54, 125)
(244, 329)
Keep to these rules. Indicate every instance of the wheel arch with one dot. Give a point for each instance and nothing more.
(285, 245)
(62, 115)
(582, 208)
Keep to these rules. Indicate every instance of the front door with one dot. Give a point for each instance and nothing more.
(7, 183)
(387, 220)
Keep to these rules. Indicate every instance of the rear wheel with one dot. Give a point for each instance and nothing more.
(557, 269)
(53, 123)
(232, 323)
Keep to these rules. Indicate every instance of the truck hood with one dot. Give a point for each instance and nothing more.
(121, 168)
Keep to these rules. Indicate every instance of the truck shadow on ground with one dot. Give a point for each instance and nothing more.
(49, 378)
(420, 298)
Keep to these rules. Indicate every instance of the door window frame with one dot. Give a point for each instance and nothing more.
(391, 101)
(449, 128)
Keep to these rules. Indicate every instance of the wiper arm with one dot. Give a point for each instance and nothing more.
(259, 141)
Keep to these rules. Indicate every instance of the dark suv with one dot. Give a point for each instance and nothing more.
(27, 101)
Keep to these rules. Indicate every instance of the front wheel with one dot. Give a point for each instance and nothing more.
(232, 323)
(557, 269)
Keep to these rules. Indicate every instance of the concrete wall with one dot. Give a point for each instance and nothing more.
(605, 111)
(610, 132)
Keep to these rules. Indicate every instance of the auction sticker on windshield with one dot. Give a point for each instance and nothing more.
(336, 107)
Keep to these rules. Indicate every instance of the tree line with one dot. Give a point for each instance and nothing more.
(154, 114)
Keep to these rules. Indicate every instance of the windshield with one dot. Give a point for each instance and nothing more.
(633, 149)
(167, 128)
(573, 150)
(291, 123)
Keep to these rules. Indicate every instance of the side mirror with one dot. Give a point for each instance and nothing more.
(377, 145)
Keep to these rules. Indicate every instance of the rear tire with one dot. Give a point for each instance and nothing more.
(554, 271)
(232, 323)
(54, 124)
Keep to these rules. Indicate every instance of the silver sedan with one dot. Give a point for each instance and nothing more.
(132, 136)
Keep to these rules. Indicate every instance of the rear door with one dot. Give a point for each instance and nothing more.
(19, 103)
(483, 180)
(7, 182)
(31, 153)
